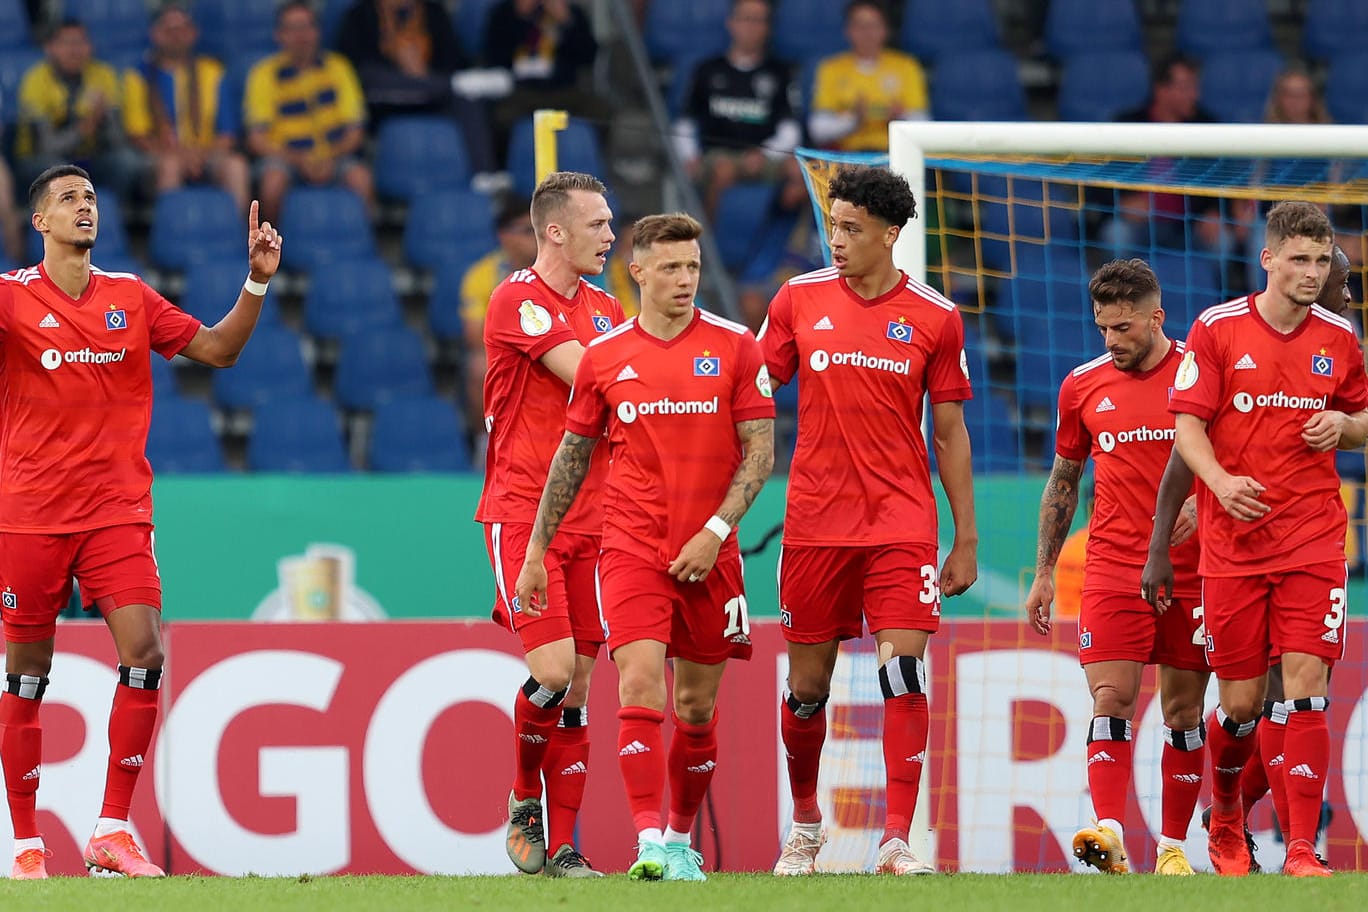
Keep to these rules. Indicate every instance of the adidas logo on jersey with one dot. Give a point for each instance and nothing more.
(1276, 761)
(1192, 778)
(1301, 769)
(636, 747)
(48, 322)
(1106, 405)
(33, 773)
(919, 757)
(1101, 757)
(824, 323)
(707, 766)
(1245, 363)
(532, 738)
(577, 767)
(133, 762)
(626, 374)
(1330, 636)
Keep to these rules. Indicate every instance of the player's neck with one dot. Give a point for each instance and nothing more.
(69, 270)
(662, 326)
(1283, 314)
(875, 284)
(1158, 352)
(558, 274)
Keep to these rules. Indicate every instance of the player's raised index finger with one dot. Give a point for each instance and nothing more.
(252, 224)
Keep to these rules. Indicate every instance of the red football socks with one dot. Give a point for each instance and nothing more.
(692, 761)
(641, 757)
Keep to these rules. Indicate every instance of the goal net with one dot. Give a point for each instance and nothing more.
(1013, 220)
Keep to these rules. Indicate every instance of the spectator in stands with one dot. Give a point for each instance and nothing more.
(69, 113)
(305, 114)
(857, 93)
(1175, 90)
(738, 121)
(549, 47)
(405, 53)
(1294, 100)
(171, 106)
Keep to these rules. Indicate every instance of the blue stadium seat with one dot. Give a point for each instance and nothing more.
(1190, 282)
(1346, 87)
(330, 20)
(418, 434)
(469, 22)
(194, 225)
(1098, 86)
(444, 304)
(14, 25)
(351, 296)
(932, 28)
(1026, 216)
(804, 29)
(993, 436)
(449, 226)
(270, 367)
(577, 150)
(1079, 26)
(111, 240)
(233, 30)
(115, 26)
(232, 91)
(163, 376)
(1220, 26)
(14, 63)
(181, 437)
(979, 85)
(378, 365)
(324, 226)
(1235, 84)
(211, 290)
(675, 29)
(1334, 27)
(743, 211)
(417, 155)
(296, 435)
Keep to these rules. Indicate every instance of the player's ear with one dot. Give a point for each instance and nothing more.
(635, 269)
(891, 236)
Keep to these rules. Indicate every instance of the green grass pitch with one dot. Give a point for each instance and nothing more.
(749, 892)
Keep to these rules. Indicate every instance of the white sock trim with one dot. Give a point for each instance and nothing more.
(23, 845)
(650, 834)
(106, 825)
(673, 835)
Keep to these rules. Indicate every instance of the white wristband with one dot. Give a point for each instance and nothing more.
(253, 287)
(718, 526)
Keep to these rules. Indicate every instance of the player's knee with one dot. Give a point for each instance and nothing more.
(1182, 716)
(1241, 708)
(640, 688)
(811, 687)
(147, 653)
(1110, 700)
(695, 707)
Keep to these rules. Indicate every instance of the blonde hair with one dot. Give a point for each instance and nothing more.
(1273, 112)
(554, 192)
(667, 228)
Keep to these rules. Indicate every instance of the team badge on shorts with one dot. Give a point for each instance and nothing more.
(115, 319)
(602, 323)
(707, 366)
(1085, 640)
(9, 600)
(1322, 365)
(899, 331)
(785, 618)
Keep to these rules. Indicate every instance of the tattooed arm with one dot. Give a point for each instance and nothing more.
(1057, 507)
(695, 560)
(568, 469)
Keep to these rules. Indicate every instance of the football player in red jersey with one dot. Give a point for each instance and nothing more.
(867, 344)
(685, 400)
(1114, 409)
(535, 330)
(76, 383)
(1269, 387)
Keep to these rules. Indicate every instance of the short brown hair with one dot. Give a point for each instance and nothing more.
(554, 192)
(1294, 218)
(1123, 281)
(667, 227)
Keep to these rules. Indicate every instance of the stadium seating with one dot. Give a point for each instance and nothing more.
(236, 30)
(211, 290)
(296, 435)
(1221, 26)
(444, 303)
(1346, 87)
(351, 296)
(417, 155)
(448, 226)
(380, 364)
(676, 29)
(194, 225)
(1080, 26)
(1331, 28)
(469, 22)
(163, 376)
(1235, 84)
(978, 85)
(14, 26)
(118, 29)
(932, 28)
(14, 63)
(804, 29)
(325, 226)
(1191, 282)
(1099, 86)
(232, 90)
(330, 18)
(1017, 209)
(270, 367)
(181, 437)
(992, 434)
(739, 224)
(418, 434)
(578, 150)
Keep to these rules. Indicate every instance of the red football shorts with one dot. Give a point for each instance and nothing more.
(828, 594)
(571, 608)
(704, 622)
(115, 566)
(1252, 620)
(1116, 626)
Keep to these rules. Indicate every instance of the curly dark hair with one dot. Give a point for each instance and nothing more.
(878, 191)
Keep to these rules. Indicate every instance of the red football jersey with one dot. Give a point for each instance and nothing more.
(860, 474)
(76, 387)
(524, 402)
(1121, 419)
(670, 409)
(1256, 388)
